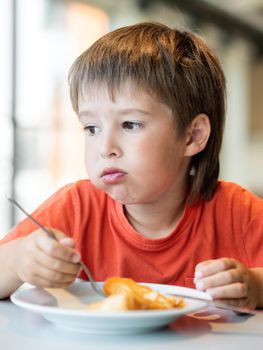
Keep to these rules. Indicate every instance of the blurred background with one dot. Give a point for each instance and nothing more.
(41, 142)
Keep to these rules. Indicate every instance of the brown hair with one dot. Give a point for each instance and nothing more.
(178, 68)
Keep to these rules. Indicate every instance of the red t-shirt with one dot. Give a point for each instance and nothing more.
(229, 225)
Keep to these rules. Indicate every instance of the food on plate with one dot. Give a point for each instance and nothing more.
(113, 303)
(125, 294)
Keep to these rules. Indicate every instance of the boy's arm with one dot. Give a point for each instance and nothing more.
(229, 280)
(9, 279)
(39, 260)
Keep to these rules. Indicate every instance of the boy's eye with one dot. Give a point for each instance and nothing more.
(91, 129)
(131, 125)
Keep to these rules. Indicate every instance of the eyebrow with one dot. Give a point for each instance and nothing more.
(124, 111)
(132, 110)
(85, 114)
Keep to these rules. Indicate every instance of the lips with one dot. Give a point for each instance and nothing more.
(112, 175)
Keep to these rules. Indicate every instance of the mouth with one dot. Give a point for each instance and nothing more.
(112, 175)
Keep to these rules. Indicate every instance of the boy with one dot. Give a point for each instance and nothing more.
(151, 103)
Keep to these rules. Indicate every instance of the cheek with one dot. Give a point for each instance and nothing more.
(150, 159)
(89, 158)
(157, 149)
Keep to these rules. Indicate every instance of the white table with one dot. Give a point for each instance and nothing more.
(213, 329)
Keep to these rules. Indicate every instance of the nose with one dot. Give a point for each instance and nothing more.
(110, 147)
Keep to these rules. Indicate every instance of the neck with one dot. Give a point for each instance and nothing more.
(156, 220)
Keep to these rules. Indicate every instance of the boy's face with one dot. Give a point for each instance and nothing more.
(132, 151)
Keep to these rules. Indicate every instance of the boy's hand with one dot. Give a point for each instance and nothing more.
(44, 262)
(229, 280)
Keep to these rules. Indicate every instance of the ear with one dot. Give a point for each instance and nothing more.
(197, 135)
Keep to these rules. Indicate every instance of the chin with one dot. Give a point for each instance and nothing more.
(118, 193)
(121, 197)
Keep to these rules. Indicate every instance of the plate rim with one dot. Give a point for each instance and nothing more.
(46, 309)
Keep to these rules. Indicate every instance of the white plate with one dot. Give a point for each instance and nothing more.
(64, 307)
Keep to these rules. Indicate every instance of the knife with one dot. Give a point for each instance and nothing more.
(219, 304)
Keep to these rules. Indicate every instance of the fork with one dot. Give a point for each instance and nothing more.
(51, 234)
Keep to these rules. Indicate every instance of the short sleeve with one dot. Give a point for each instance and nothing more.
(58, 211)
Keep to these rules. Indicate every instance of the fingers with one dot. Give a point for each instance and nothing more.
(56, 265)
(228, 291)
(40, 281)
(49, 272)
(62, 238)
(210, 275)
(219, 279)
(210, 267)
(68, 242)
(223, 279)
(57, 250)
(53, 277)
(47, 262)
